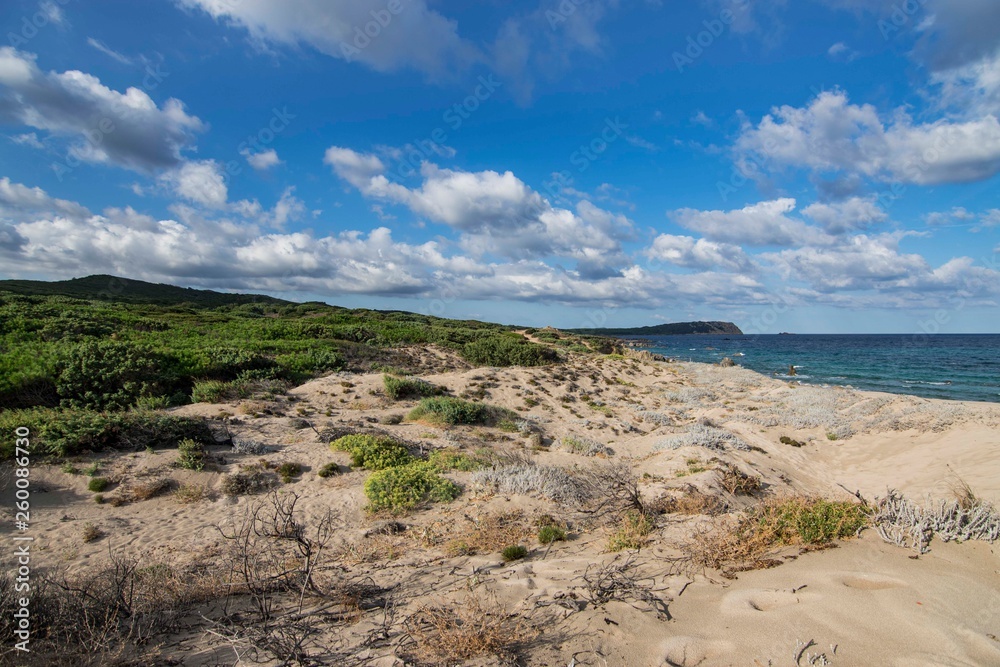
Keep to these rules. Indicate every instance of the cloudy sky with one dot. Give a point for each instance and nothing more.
(813, 166)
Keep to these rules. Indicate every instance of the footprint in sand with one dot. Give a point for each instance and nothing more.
(692, 651)
(870, 582)
(757, 600)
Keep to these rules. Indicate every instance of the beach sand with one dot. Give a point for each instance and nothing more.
(865, 602)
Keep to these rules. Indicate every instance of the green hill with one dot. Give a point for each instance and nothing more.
(112, 288)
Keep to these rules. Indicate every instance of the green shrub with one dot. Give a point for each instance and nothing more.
(506, 350)
(373, 452)
(329, 470)
(453, 459)
(109, 375)
(397, 388)
(551, 533)
(191, 454)
(812, 520)
(452, 411)
(288, 471)
(209, 391)
(64, 432)
(513, 552)
(97, 484)
(401, 488)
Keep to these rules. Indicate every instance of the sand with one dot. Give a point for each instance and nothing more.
(865, 602)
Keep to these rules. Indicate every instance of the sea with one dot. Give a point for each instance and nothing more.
(962, 367)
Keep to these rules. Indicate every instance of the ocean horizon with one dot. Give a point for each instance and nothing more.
(951, 366)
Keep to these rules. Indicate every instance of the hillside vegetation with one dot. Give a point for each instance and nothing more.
(156, 346)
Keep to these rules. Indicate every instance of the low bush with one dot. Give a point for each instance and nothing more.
(97, 484)
(191, 454)
(373, 452)
(700, 435)
(401, 488)
(513, 552)
(632, 533)
(742, 542)
(586, 446)
(241, 446)
(551, 533)
(529, 479)
(66, 432)
(812, 520)
(217, 391)
(506, 350)
(329, 470)
(288, 471)
(453, 459)
(785, 440)
(109, 375)
(454, 411)
(91, 532)
(398, 388)
(190, 493)
(249, 480)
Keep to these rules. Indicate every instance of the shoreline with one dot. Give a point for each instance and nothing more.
(877, 383)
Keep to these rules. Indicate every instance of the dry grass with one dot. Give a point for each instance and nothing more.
(692, 502)
(133, 492)
(748, 540)
(373, 549)
(632, 532)
(191, 493)
(479, 626)
(91, 532)
(488, 533)
(737, 482)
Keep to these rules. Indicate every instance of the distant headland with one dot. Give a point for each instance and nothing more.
(675, 329)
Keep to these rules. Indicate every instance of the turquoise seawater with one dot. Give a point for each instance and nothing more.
(954, 366)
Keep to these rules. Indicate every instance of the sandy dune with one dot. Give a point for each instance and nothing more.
(863, 603)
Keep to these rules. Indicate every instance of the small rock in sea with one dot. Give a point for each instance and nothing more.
(791, 370)
(727, 362)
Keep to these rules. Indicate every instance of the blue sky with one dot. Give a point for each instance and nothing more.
(820, 166)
